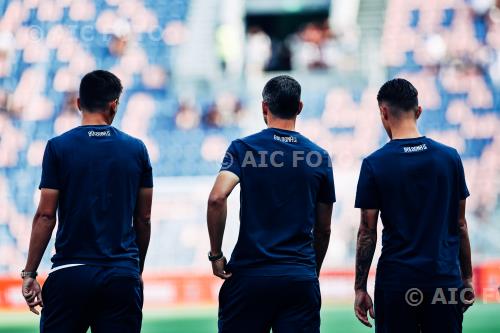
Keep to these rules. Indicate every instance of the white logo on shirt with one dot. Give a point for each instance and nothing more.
(415, 149)
(99, 133)
(292, 139)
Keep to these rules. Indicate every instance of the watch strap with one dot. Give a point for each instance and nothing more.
(25, 274)
(215, 257)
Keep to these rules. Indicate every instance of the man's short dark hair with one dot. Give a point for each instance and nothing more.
(97, 89)
(400, 94)
(282, 95)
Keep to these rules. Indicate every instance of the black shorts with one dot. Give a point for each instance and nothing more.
(257, 304)
(107, 299)
(414, 311)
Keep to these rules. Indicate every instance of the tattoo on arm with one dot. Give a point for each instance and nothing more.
(365, 249)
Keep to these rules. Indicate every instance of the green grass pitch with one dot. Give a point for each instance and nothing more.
(481, 318)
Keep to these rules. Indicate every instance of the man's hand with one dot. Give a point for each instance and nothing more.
(32, 293)
(219, 268)
(469, 296)
(363, 304)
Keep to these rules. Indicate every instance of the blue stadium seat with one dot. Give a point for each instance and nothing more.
(448, 15)
(414, 18)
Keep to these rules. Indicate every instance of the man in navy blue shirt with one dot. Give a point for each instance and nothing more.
(99, 180)
(286, 196)
(424, 275)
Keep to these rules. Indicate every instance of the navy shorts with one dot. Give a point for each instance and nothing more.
(412, 311)
(258, 304)
(106, 299)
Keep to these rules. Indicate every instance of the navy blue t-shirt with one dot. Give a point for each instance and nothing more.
(417, 185)
(98, 171)
(283, 175)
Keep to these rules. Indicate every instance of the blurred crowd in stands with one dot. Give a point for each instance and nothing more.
(315, 46)
(449, 49)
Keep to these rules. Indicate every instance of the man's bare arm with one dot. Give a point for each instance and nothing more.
(465, 251)
(43, 225)
(365, 249)
(217, 208)
(322, 231)
(44, 222)
(142, 223)
(216, 217)
(367, 241)
(465, 259)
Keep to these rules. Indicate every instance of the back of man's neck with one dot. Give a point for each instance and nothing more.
(91, 119)
(283, 124)
(406, 134)
(405, 130)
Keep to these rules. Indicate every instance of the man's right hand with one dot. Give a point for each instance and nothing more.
(362, 305)
(32, 293)
(219, 268)
(468, 295)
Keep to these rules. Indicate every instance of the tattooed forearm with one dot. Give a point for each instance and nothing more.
(365, 249)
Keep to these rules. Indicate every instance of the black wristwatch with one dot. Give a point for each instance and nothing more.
(216, 257)
(25, 274)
